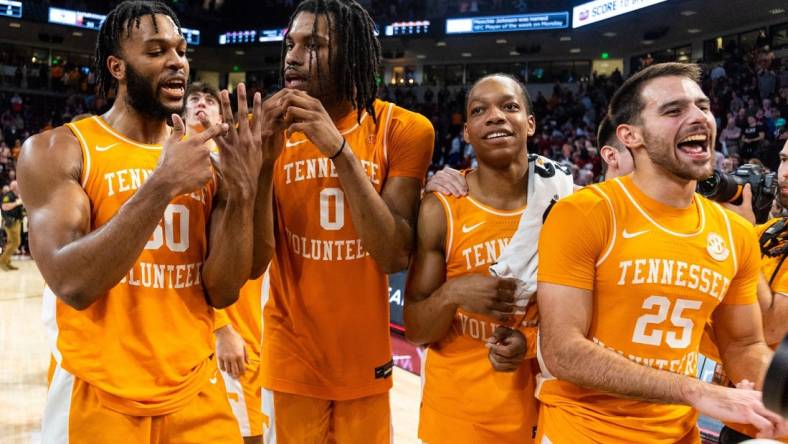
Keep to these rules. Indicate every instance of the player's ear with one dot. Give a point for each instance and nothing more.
(609, 156)
(630, 135)
(116, 67)
(465, 135)
(531, 125)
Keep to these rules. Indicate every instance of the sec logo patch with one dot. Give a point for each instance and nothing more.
(716, 247)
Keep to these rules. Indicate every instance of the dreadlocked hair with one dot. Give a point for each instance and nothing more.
(359, 54)
(117, 26)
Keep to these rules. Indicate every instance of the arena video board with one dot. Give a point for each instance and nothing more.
(508, 23)
(599, 10)
(407, 28)
(89, 20)
(11, 8)
(262, 36)
(80, 19)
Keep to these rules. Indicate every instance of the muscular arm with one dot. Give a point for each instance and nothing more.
(565, 317)
(228, 264)
(428, 309)
(229, 261)
(384, 222)
(739, 335)
(78, 264)
(263, 235)
(774, 310)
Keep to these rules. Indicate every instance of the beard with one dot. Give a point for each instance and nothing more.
(663, 153)
(143, 96)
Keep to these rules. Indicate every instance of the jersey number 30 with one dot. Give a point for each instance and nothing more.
(655, 336)
(175, 243)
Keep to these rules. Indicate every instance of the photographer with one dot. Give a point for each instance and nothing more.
(12, 224)
(773, 284)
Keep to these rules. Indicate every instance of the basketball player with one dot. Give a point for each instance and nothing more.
(617, 159)
(238, 328)
(617, 162)
(632, 269)
(346, 195)
(454, 305)
(120, 209)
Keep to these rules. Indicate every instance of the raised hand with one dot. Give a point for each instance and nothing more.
(305, 114)
(273, 126)
(185, 165)
(241, 145)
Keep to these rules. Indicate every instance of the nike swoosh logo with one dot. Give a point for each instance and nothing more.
(627, 235)
(467, 230)
(105, 148)
(213, 380)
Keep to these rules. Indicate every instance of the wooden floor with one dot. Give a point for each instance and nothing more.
(25, 358)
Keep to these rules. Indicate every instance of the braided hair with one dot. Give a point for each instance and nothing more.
(359, 54)
(117, 26)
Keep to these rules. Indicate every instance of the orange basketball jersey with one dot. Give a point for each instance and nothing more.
(145, 345)
(326, 323)
(657, 273)
(246, 315)
(464, 400)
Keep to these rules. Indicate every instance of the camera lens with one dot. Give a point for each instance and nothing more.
(720, 187)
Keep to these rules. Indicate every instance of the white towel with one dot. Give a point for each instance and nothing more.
(548, 181)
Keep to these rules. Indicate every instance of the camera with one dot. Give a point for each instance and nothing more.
(725, 187)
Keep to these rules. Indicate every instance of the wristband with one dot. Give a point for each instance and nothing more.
(339, 151)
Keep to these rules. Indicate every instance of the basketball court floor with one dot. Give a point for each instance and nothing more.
(25, 358)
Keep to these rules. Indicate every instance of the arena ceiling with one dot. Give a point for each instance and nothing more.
(670, 24)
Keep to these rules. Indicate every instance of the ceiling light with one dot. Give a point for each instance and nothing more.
(466, 54)
(693, 30)
(776, 11)
(441, 43)
(501, 41)
(565, 38)
(574, 50)
(15, 25)
(239, 52)
(647, 42)
(421, 56)
(610, 34)
(514, 53)
(688, 13)
(76, 34)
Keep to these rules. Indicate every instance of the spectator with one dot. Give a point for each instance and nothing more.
(12, 224)
(730, 137)
(752, 138)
